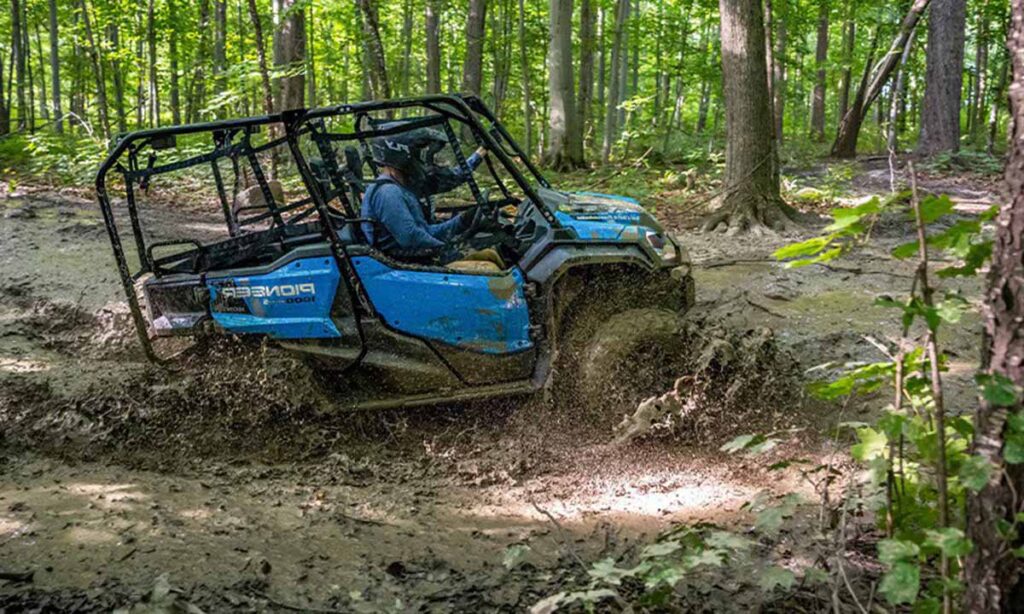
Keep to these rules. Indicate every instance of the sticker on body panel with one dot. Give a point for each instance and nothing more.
(292, 302)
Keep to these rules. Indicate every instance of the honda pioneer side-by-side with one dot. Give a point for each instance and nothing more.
(576, 285)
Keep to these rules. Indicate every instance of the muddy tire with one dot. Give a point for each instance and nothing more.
(633, 354)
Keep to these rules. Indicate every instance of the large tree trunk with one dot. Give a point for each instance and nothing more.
(432, 25)
(992, 575)
(561, 154)
(261, 56)
(290, 54)
(845, 145)
(376, 63)
(617, 75)
(752, 198)
(524, 69)
(58, 124)
(940, 109)
(820, 77)
(586, 93)
(473, 67)
(778, 90)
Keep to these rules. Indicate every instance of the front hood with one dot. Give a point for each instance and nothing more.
(601, 216)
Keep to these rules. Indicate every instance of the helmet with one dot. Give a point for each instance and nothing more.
(411, 152)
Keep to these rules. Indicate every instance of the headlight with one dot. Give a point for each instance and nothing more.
(662, 245)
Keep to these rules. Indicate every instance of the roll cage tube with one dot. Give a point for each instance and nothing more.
(294, 124)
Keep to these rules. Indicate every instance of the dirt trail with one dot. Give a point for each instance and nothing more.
(113, 473)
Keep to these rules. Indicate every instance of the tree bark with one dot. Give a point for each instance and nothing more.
(290, 54)
(940, 108)
(845, 145)
(561, 154)
(752, 200)
(849, 41)
(820, 77)
(586, 93)
(524, 69)
(97, 68)
(175, 93)
(977, 114)
(778, 91)
(44, 109)
(220, 36)
(58, 125)
(616, 78)
(261, 55)
(432, 25)
(992, 575)
(113, 35)
(993, 113)
(472, 68)
(154, 96)
(18, 54)
(377, 70)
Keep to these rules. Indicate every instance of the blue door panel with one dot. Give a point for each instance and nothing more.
(292, 302)
(485, 313)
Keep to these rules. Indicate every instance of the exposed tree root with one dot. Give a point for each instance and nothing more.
(758, 215)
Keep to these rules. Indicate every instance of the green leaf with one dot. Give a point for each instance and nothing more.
(776, 576)
(998, 389)
(737, 443)
(952, 309)
(950, 541)
(1013, 450)
(605, 570)
(514, 555)
(905, 250)
(892, 551)
(810, 247)
(934, 207)
(660, 549)
(872, 443)
(901, 583)
(974, 472)
(725, 540)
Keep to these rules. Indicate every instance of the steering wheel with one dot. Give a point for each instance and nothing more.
(485, 215)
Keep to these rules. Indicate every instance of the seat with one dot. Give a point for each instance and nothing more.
(474, 266)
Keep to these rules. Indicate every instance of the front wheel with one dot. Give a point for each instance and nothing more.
(632, 355)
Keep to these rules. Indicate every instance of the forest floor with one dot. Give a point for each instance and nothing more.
(122, 484)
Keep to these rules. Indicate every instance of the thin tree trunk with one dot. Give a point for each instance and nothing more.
(175, 68)
(58, 125)
(407, 33)
(524, 69)
(44, 109)
(115, 43)
(310, 60)
(940, 108)
(377, 72)
(993, 113)
(779, 69)
(18, 54)
(432, 25)
(821, 76)
(849, 41)
(616, 77)
(845, 145)
(601, 60)
(261, 55)
(977, 113)
(992, 574)
(97, 68)
(586, 93)
(220, 41)
(472, 68)
(752, 197)
(154, 96)
(896, 103)
(30, 78)
(5, 114)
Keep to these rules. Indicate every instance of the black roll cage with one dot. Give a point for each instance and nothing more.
(294, 124)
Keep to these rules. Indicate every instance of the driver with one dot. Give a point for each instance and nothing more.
(407, 173)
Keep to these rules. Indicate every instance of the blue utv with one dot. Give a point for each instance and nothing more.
(592, 285)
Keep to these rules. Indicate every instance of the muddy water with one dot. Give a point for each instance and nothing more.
(114, 473)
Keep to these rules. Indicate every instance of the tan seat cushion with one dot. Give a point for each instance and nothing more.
(476, 266)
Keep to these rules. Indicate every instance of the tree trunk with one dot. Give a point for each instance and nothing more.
(779, 69)
(849, 41)
(615, 80)
(376, 64)
(97, 68)
(845, 145)
(896, 103)
(752, 198)
(407, 28)
(561, 154)
(261, 55)
(44, 109)
(114, 36)
(18, 54)
(58, 125)
(220, 37)
(820, 78)
(981, 78)
(586, 93)
(290, 55)
(432, 25)
(472, 68)
(524, 69)
(601, 59)
(175, 77)
(940, 108)
(154, 97)
(993, 575)
(993, 113)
